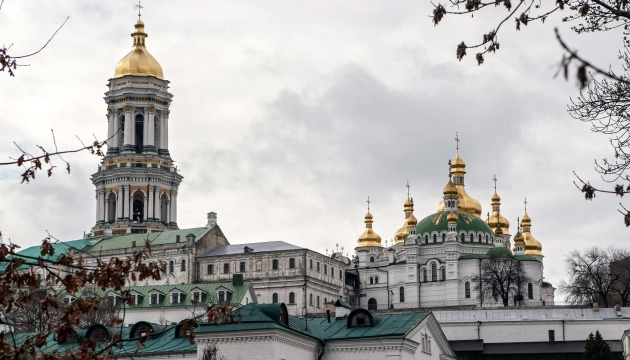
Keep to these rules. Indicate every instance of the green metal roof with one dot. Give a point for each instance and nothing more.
(59, 247)
(465, 222)
(386, 326)
(155, 238)
(499, 251)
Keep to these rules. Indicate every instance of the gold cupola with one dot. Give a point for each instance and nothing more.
(410, 220)
(464, 201)
(496, 219)
(369, 237)
(139, 62)
(532, 246)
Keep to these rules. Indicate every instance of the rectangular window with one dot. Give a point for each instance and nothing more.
(332, 271)
(340, 275)
(242, 266)
(318, 266)
(226, 268)
(175, 298)
(134, 299)
(210, 269)
(274, 264)
(291, 263)
(221, 296)
(196, 296)
(310, 264)
(325, 269)
(154, 299)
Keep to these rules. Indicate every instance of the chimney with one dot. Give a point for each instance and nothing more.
(190, 239)
(328, 314)
(595, 307)
(212, 219)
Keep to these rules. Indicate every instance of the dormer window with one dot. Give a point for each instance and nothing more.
(154, 299)
(196, 296)
(177, 297)
(221, 296)
(360, 318)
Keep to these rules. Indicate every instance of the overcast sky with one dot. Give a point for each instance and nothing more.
(287, 115)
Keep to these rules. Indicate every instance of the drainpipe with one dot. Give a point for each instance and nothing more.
(478, 330)
(323, 343)
(563, 339)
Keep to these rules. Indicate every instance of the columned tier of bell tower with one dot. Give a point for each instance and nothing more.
(137, 182)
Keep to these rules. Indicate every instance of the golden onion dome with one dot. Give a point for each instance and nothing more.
(451, 217)
(465, 203)
(410, 220)
(449, 189)
(518, 239)
(496, 219)
(532, 246)
(138, 62)
(369, 237)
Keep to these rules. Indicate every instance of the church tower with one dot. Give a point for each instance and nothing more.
(137, 182)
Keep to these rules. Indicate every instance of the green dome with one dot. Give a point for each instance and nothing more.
(466, 222)
(499, 251)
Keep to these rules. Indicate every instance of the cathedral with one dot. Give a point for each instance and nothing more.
(434, 262)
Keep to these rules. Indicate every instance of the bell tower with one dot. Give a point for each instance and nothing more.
(137, 182)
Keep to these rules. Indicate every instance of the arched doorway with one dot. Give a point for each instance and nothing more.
(372, 304)
(138, 207)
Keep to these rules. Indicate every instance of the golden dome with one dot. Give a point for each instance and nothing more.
(498, 231)
(369, 237)
(532, 246)
(518, 239)
(449, 189)
(138, 62)
(451, 217)
(465, 203)
(410, 220)
(496, 219)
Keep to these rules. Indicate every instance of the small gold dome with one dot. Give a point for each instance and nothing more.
(532, 246)
(451, 217)
(449, 189)
(465, 203)
(369, 237)
(496, 199)
(496, 219)
(411, 220)
(458, 164)
(138, 62)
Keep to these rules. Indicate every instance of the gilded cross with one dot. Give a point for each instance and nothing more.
(450, 168)
(457, 140)
(525, 204)
(495, 181)
(408, 186)
(139, 8)
(368, 202)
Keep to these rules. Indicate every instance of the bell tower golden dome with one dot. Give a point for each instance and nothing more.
(496, 219)
(410, 219)
(532, 246)
(139, 62)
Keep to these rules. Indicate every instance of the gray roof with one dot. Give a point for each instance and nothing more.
(447, 316)
(254, 248)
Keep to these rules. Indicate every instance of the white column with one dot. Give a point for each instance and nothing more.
(145, 128)
(150, 126)
(126, 210)
(101, 203)
(145, 216)
(127, 141)
(119, 203)
(110, 129)
(165, 131)
(162, 130)
(105, 208)
(132, 136)
(150, 208)
(173, 206)
(168, 212)
(98, 207)
(115, 137)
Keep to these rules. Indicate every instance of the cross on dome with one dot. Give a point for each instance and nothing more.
(457, 140)
(408, 186)
(525, 204)
(139, 6)
(368, 202)
(495, 182)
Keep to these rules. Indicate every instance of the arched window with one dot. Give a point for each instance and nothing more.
(371, 280)
(138, 207)
(426, 239)
(371, 258)
(401, 292)
(443, 274)
(486, 238)
(434, 238)
(317, 300)
(183, 265)
(479, 238)
(424, 275)
(291, 298)
(467, 289)
(111, 208)
(471, 238)
(274, 298)
(433, 272)
(325, 301)
(530, 291)
(372, 304)
(164, 208)
(461, 236)
(310, 300)
(171, 266)
(376, 279)
(139, 133)
(443, 237)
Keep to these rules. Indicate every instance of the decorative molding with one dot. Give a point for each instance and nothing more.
(127, 108)
(109, 111)
(151, 109)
